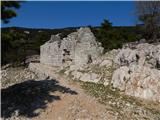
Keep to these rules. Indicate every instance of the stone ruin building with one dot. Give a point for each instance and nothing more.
(134, 69)
(78, 48)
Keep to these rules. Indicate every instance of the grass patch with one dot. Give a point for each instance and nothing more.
(61, 72)
(100, 91)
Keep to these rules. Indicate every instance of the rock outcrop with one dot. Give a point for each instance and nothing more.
(14, 75)
(138, 73)
(78, 48)
(133, 71)
(143, 54)
(138, 81)
(99, 71)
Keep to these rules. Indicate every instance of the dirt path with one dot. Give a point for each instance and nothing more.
(78, 106)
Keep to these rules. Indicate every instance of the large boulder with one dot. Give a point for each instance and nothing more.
(149, 54)
(144, 83)
(138, 71)
(90, 77)
(126, 56)
(120, 77)
(138, 81)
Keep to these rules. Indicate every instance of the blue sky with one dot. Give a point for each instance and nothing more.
(52, 14)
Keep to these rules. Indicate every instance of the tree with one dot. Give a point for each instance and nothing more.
(7, 10)
(106, 25)
(113, 37)
(148, 13)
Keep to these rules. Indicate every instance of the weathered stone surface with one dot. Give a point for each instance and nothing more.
(102, 66)
(33, 58)
(50, 54)
(90, 77)
(126, 57)
(106, 63)
(15, 75)
(144, 83)
(79, 48)
(120, 77)
(143, 54)
(106, 82)
(139, 73)
(138, 81)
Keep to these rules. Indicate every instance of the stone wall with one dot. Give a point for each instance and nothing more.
(78, 48)
(50, 52)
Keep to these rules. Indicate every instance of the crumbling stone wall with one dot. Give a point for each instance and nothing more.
(78, 48)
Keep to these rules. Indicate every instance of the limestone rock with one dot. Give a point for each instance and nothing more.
(126, 57)
(106, 82)
(143, 54)
(33, 58)
(77, 75)
(120, 77)
(138, 81)
(138, 74)
(15, 75)
(149, 55)
(144, 83)
(106, 59)
(106, 63)
(90, 77)
(110, 55)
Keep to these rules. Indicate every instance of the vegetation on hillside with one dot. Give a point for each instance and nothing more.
(114, 37)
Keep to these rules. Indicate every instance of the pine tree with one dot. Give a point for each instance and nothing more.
(7, 10)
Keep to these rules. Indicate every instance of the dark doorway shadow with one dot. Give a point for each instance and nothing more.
(28, 96)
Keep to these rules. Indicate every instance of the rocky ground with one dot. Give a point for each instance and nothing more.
(60, 98)
(134, 70)
(14, 75)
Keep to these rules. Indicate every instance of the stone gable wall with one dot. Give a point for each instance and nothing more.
(78, 48)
